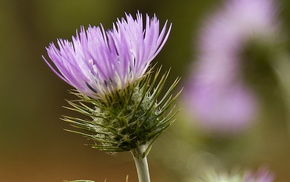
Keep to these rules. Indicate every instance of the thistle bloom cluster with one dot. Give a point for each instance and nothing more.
(217, 91)
(111, 73)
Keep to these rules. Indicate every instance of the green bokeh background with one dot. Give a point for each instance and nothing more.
(33, 145)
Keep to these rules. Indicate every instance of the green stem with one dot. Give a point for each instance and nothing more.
(141, 164)
(142, 169)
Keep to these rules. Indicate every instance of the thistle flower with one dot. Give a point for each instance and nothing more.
(111, 73)
(217, 92)
(261, 175)
(222, 109)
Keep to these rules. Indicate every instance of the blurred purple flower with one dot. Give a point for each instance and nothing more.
(98, 62)
(222, 108)
(262, 175)
(216, 94)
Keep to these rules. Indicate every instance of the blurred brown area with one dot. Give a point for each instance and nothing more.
(33, 145)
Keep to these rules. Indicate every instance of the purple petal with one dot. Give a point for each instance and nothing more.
(98, 62)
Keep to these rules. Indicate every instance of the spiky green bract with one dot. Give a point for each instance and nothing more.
(127, 119)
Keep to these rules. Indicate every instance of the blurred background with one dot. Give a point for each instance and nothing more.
(33, 145)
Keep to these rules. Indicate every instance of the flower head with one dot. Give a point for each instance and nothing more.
(98, 62)
(217, 91)
(117, 91)
(222, 109)
(261, 175)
